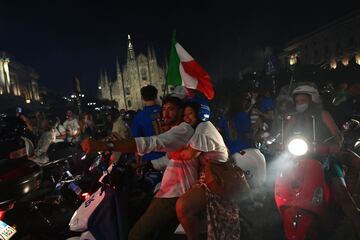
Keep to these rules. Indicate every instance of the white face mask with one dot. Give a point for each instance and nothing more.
(302, 107)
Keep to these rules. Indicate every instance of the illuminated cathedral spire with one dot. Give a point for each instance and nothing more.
(131, 53)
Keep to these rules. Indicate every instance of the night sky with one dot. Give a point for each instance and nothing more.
(63, 39)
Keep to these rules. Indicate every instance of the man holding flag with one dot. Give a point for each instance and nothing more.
(161, 216)
(179, 176)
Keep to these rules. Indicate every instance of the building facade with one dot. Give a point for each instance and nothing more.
(335, 43)
(18, 80)
(138, 71)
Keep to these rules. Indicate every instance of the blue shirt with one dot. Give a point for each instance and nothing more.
(146, 124)
(266, 104)
(234, 132)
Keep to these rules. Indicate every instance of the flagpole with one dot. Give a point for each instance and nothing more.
(165, 86)
(167, 70)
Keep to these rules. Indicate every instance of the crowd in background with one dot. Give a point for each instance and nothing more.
(242, 120)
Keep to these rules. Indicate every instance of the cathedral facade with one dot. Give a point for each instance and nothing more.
(17, 79)
(138, 72)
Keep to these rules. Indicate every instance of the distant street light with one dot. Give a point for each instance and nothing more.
(293, 59)
(28, 101)
(357, 58)
(345, 61)
(292, 63)
(333, 64)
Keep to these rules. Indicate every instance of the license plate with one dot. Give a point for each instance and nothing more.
(6, 232)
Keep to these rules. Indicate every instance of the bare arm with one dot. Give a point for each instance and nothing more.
(268, 114)
(124, 146)
(185, 154)
(27, 122)
(329, 122)
(172, 140)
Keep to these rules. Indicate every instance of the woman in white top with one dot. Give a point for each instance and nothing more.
(47, 138)
(223, 216)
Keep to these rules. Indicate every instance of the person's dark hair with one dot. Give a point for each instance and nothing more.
(237, 104)
(51, 120)
(174, 100)
(115, 113)
(149, 93)
(195, 106)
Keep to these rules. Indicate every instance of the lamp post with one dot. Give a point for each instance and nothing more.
(292, 63)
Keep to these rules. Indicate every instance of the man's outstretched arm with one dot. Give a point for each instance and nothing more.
(174, 139)
(124, 146)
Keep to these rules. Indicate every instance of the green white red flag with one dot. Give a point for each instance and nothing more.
(185, 71)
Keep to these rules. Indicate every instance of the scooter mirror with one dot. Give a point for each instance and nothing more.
(351, 125)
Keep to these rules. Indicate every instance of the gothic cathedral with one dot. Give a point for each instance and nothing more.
(137, 72)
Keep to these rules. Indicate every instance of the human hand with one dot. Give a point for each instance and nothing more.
(174, 155)
(257, 111)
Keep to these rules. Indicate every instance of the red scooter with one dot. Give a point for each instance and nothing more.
(302, 195)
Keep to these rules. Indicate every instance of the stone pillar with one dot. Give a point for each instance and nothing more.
(7, 75)
(2, 77)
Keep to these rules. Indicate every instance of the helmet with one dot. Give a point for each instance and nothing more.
(203, 111)
(253, 163)
(309, 90)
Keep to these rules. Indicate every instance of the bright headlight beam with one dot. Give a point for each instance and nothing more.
(298, 147)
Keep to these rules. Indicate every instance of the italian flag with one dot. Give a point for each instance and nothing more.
(185, 71)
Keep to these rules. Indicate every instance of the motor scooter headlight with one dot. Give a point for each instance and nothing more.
(298, 146)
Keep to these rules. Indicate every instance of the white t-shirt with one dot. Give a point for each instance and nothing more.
(58, 130)
(46, 139)
(72, 126)
(209, 141)
(120, 129)
(179, 175)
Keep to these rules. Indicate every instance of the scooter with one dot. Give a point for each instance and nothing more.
(302, 195)
(18, 178)
(104, 214)
(28, 189)
(351, 132)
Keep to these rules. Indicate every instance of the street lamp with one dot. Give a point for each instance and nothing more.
(345, 61)
(357, 58)
(333, 64)
(293, 59)
(292, 63)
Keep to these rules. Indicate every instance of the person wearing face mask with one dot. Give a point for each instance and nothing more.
(307, 104)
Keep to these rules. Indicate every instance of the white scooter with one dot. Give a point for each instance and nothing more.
(110, 199)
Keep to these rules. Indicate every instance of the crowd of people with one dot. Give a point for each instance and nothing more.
(179, 139)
